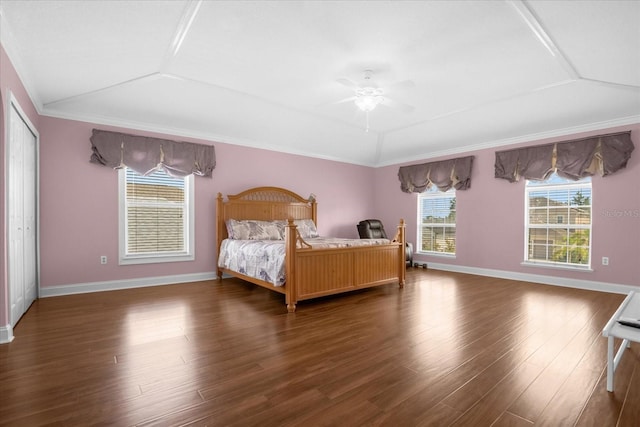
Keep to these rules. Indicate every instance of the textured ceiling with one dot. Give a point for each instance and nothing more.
(264, 73)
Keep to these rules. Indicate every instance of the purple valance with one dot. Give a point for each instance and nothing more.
(145, 154)
(527, 162)
(444, 174)
(604, 154)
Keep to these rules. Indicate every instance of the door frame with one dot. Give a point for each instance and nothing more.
(13, 104)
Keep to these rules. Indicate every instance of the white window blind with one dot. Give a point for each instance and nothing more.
(156, 217)
(437, 222)
(558, 222)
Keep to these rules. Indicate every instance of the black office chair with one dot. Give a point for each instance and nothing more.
(373, 229)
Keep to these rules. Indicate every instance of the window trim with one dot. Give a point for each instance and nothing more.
(582, 183)
(133, 259)
(433, 193)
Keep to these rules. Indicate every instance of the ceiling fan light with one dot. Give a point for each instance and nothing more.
(367, 102)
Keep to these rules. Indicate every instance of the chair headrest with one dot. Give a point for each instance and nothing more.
(371, 229)
(372, 223)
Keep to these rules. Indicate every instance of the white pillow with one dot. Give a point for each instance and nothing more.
(306, 228)
(251, 229)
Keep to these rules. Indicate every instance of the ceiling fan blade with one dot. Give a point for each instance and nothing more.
(402, 84)
(342, 101)
(348, 83)
(398, 105)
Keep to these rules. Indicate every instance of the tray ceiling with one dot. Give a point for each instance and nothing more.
(264, 73)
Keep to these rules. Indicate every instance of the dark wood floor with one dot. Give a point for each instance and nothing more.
(448, 349)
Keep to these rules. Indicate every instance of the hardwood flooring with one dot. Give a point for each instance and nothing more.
(447, 350)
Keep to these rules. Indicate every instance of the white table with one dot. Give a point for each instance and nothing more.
(630, 308)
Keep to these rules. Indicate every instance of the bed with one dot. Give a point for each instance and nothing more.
(312, 269)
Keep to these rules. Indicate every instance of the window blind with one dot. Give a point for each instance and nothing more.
(437, 227)
(155, 213)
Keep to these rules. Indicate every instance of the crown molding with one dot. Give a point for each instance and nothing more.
(590, 127)
(223, 139)
(7, 41)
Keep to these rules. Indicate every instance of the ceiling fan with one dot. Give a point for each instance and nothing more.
(368, 96)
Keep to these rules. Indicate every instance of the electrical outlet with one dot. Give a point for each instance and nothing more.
(605, 260)
(103, 259)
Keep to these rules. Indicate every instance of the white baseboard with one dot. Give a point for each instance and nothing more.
(6, 334)
(112, 285)
(538, 278)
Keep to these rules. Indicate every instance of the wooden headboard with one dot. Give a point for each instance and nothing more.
(263, 203)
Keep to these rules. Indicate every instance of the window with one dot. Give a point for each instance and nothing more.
(558, 222)
(156, 217)
(437, 221)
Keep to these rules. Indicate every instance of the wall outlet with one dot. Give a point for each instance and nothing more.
(605, 260)
(103, 259)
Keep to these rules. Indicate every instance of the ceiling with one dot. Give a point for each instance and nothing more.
(265, 74)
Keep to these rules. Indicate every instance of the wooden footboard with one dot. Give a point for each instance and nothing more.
(312, 273)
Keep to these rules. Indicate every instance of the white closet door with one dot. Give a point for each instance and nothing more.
(29, 200)
(22, 208)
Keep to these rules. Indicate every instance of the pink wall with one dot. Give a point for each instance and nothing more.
(78, 206)
(490, 218)
(9, 83)
(79, 202)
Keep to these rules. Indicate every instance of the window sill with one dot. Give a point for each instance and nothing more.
(584, 269)
(437, 254)
(155, 259)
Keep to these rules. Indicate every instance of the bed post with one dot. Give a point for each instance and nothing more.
(220, 230)
(290, 263)
(314, 209)
(403, 247)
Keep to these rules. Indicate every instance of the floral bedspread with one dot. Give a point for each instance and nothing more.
(264, 259)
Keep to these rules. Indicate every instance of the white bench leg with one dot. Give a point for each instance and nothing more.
(613, 361)
(610, 367)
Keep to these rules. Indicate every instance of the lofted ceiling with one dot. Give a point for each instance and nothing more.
(268, 73)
